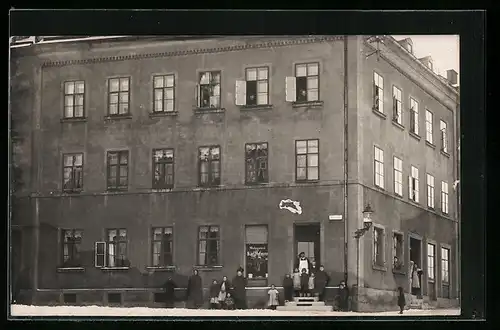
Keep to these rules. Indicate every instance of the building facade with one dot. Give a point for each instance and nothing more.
(136, 159)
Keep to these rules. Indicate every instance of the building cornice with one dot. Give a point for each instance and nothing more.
(196, 51)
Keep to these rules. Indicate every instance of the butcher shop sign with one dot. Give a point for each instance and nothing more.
(292, 206)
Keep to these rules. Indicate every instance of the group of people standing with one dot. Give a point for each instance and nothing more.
(223, 295)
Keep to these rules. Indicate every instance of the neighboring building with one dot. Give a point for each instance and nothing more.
(139, 158)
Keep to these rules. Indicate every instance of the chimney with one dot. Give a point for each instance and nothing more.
(427, 61)
(452, 76)
(407, 44)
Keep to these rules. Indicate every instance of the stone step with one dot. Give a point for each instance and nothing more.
(305, 303)
(305, 308)
(301, 299)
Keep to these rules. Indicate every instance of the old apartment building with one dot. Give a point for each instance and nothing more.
(135, 159)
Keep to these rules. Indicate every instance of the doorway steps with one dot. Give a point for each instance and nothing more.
(305, 304)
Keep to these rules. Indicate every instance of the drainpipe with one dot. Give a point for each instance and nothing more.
(346, 146)
(457, 192)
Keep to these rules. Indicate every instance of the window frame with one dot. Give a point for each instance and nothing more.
(257, 81)
(73, 188)
(445, 202)
(165, 184)
(73, 97)
(117, 186)
(429, 131)
(246, 242)
(210, 183)
(398, 172)
(397, 111)
(119, 93)
(414, 116)
(217, 239)
(298, 98)
(431, 199)
(448, 264)
(414, 194)
(307, 160)
(443, 128)
(162, 250)
(433, 264)
(78, 261)
(375, 262)
(402, 250)
(211, 89)
(378, 91)
(164, 92)
(116, 254)
(379, 162)
(255, 159)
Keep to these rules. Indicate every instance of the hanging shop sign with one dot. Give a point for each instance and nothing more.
(292, 206)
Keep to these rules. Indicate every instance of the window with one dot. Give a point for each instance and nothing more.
(74, 96)
(254, 90)
(117, 248)
(410, 48)
(397, 105)
(398, 176)
(304, 87)
(428, 126)
(444, 197)
(100, 254)
(397, 251)
(413, 184)
(445, 265)
(379, 167)
(209, 166)
(72, 172)
(444, 136)
(378, 92)
(378, 246)
(431, 260)
(209, 90)
(119, 96)
(164, 93)
(117, 170)
(429, 64)
(430, 191)
(163, 168)
(208, 246)
(256, 238)
(163, 244)
(256, 156)
(307, 160)
(71, 244)
(413, 116)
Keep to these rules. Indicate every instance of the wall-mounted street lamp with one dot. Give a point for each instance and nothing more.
(367, 223)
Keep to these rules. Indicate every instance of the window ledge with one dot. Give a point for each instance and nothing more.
(209, 110)
(160, 190)
(117, 117)
(116, 190)
(253, 184)
(112, 269)
(161, 268)
(414, 135)
(379, 188)
(72, 191)
(308, 104)
(208, 268)
(398, 195)
(70, 269)
(444, 153)
(431, 208)
(73, 120)
(414, 202)
(306, 181)
(379, 268)
(431, 280)
(163, 114)
(430, 144)
(398, 125)
(380, 114)
(256, 107)
(203, 188)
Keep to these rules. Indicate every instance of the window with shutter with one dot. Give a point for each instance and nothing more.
(100, 254)
(290, 89)
(240, 92)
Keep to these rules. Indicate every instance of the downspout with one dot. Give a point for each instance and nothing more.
(346, 146)
(457, 192)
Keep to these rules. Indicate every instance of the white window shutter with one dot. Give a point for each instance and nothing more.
(410, 187)
(100, 246)
(240, 94)
(197, 95)
(290, 89)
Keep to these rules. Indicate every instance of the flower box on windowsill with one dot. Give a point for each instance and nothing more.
(74, 120)
(208, 268)
(114, 269)
(70, 269)
(163, 114)
(398, 125)
(415, 136)
(117, 117)
(378, 113)
(430, 144)
(379, 267)
(307, 104)
(256, 107)
(444, 153)
(161, 268)
(198, 110)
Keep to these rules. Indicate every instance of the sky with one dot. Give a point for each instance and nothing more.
(444, 50)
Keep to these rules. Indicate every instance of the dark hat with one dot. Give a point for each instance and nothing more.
(321, 266)
(240, 269)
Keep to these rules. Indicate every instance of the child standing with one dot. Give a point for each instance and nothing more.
(304, 283)
(288, 287)
(296, 281)
(311, 286)
(223, 289)
(273, 297)
(229, 302)
(401, 300)
(214, 294)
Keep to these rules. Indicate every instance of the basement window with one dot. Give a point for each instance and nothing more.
(69, 298)
(114, 298)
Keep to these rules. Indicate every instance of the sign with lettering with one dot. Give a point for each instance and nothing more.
(256, 260)
(292, 206)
